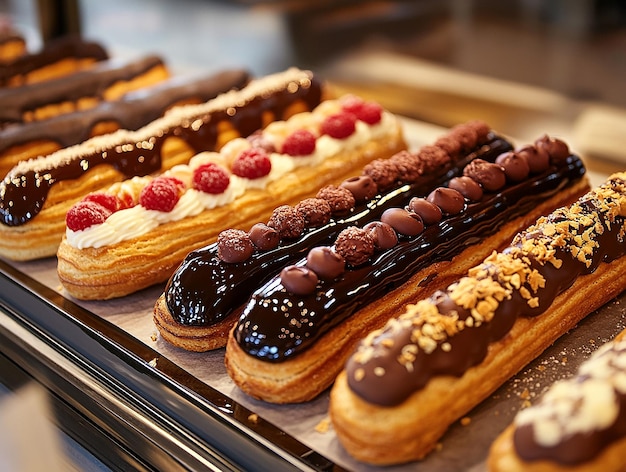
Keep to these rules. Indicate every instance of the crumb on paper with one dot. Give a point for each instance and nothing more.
(153, 336)
(323, 426)
(153, 362)
(465, 421)
(439, 446)
(253, 418)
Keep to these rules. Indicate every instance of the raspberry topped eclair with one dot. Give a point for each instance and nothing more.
(197, 315)
(113, 250)
(441, 356)
(36, 194)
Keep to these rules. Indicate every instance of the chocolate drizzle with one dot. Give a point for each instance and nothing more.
(204, 290)
(303, 320)
(451, 331)
(24, 190)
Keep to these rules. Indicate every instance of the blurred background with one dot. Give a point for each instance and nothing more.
(525, 66)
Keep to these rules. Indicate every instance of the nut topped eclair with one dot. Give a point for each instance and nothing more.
(408, 381)
(197, 316)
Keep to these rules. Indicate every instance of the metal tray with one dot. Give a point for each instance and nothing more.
(137, 402)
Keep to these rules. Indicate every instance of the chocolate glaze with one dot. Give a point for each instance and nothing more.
(92, 83)
(22, 195)
(54, 51)
(574, 448)
(260, 332)
(460, 349)
(132, 111)
(204, 290)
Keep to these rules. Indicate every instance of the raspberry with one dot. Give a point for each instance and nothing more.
(161, 194)
(299, 143)
(339, 126)
(84, 214)
(252, 164)
(210, 178)
(368, 112)
(110, 202)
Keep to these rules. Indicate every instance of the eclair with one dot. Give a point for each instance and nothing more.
(131, 111)
(408, 253)
(197, 316)
(36, 194)
(578, 425)
(57, 58)
(143, 241)
(106, 80)
(442, 355)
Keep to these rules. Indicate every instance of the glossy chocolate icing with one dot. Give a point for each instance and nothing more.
(260, 332)
(132, 111)
(54, 51)
(23, 193)
(204, 290)
(89, 83)
(594, 225)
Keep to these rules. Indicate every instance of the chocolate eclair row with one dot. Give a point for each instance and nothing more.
(212, 282)
(430, 365)
(319, 307)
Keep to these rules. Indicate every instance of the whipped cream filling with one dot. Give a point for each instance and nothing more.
(137, 221)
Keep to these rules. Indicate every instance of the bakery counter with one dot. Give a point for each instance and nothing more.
(138, 403)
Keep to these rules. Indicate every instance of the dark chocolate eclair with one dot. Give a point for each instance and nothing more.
(25, 188)
(371, 273)
(73, 47)
(578, 417)
(449, 332)
(132, 111)
(205, 289)
(16, 103)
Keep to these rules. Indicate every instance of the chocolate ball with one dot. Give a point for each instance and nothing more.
(515, 166)
(287, 221)
(355, 245)
(467, 187)
(298, 280)
(428, 211)
(384, 235)
(362, 187)
(264, 237)
(234, 245)
(488, 174)
(449, 200)
(325, 262)
(403, 221)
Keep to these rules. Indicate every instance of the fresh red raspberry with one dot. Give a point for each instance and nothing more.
(368, 112)
(210, 178)
(84, 214)
(161, 194)
(252, 164)
(299, 143)
(339, 126)
(108, 201)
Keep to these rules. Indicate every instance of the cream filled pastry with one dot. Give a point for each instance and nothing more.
(36, 194)
(579, 424)
(159, 220)
(410, 251)
(197, 315)
(442, 355)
